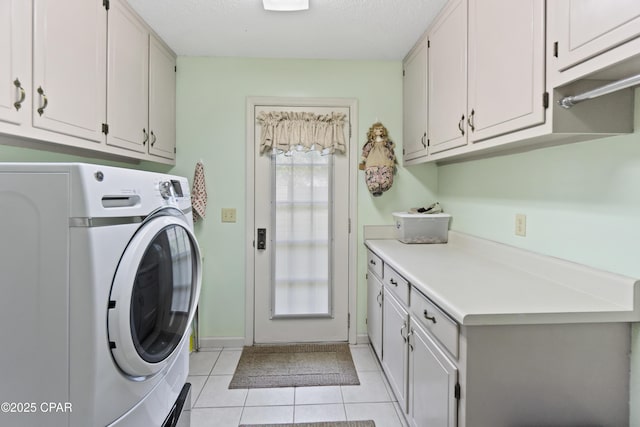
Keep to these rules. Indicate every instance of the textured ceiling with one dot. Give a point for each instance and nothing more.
(330, 29)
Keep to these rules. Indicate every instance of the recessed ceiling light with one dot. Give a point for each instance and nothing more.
(285, 5)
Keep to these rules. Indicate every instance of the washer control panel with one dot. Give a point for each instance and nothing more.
(171, 188)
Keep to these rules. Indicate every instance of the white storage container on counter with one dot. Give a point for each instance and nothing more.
(422, 228)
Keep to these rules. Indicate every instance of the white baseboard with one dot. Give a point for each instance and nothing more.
(207, 343)
(362, 339)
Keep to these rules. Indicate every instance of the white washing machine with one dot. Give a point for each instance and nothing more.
(100, 275)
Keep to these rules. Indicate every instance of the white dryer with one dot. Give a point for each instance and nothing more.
(100, 276)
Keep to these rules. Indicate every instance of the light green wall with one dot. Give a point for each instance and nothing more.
(211, 125)
(582, 203)
(14, 150)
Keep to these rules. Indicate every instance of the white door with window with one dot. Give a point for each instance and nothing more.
(301, 236)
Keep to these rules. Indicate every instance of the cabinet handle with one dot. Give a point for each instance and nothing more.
(45, 103)
(23, 94)
(470, 121)
(393, 282)
(372, 262)
(409, 339)
(145, 136)
(460, 123)
(378, 298)
(404, 325)
(426, 316)
(153, 138)
(424, 138)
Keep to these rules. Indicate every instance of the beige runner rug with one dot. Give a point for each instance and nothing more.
(295, 365)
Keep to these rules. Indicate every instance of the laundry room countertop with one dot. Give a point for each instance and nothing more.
(481, 282)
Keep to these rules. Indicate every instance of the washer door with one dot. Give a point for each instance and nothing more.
(154, 295)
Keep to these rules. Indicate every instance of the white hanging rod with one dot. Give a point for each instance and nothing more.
(570, 101)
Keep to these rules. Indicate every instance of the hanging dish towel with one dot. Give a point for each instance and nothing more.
(199, 193)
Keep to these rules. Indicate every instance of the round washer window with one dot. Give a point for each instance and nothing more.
(162, 294)
(154, 295)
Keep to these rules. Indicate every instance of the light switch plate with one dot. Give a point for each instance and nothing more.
(228, 215)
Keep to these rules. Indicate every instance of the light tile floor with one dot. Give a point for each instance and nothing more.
(214, 405)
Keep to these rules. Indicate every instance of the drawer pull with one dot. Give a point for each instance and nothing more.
(372, 262)
(426, 316)
(393, 282)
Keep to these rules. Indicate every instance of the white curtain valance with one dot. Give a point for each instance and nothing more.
(288, 131)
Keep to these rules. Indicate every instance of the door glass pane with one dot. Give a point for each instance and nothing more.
(162, 294)
(301, 207)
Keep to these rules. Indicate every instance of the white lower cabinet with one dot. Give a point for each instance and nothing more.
(374, 312)
(445, 374)
(433, 380)
(394, 346)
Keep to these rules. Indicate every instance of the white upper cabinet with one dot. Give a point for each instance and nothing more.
(447, 92)
(589, 27)
(414, 103)
(69, 67)
(141, 95)
(67, 82)
(128, 79)
(15, 73)
(486, 73)
(506, 67)
(162, 100)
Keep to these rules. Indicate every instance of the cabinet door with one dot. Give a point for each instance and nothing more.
(394, 342)
(506, 66)
(589, 27)
(414, 103)
(432, 382)
(128, 79)
(447, 92)
(69, 67)
(15, 77)
(162, 100)
(374, 312)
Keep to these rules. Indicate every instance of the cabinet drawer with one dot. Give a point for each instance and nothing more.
(374, 263)
(396, 284)
(435, 321)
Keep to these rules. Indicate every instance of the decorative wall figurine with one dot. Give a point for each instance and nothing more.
(378, 160)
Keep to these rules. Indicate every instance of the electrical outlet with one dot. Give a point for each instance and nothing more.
(228, 215)
(521, 225)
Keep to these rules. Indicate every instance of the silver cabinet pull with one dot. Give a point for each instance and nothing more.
(45, 100)
(470, 121)
(145, 136)
(460, 123)
(378, 298)
(426, 316)
(424, 138)
(393, 282)
(409, 338)
(153, 138)
(23, 94)
(372, 262)
(404, 338)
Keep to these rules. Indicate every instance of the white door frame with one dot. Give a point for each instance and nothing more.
(252, 102)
